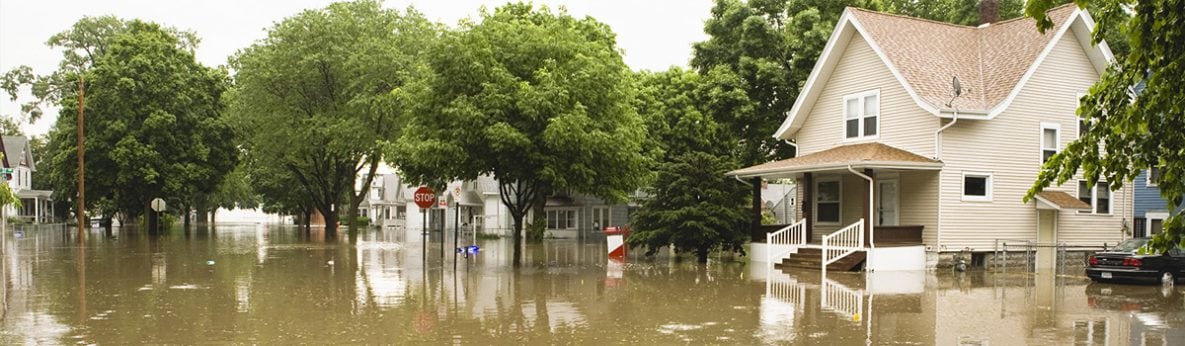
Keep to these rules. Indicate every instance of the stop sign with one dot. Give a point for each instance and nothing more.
(424, 197)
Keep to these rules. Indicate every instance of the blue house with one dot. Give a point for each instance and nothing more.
(1150, 210)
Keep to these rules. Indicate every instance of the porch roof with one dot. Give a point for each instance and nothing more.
(858, 156)
(1058, 200)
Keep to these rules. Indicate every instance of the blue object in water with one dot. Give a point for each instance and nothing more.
(472, 249)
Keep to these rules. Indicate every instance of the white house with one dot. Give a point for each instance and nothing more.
(887, 150)
(37, 205)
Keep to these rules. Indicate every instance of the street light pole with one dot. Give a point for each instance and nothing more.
(81, 161)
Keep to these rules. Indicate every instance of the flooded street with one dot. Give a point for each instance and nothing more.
(251, 284)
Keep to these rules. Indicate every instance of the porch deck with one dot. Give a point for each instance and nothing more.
(886, 236)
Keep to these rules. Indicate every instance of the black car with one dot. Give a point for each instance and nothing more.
(1125, 263)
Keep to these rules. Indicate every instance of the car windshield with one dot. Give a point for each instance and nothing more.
(1130, 245)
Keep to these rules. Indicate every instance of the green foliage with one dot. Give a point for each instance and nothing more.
(9, 127)
(768, 218)
(690, 209)
(1131, 131)
(314, 99)
(153, 124)
(82, 46)
(692, 205)
(962, 12)
(538, 99)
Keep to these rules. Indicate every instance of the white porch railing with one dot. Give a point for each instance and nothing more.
(843, 242)
(840, 298)
(793, 235)
(788, 291)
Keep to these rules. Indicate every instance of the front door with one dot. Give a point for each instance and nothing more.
(886, 203)
(1046, 223)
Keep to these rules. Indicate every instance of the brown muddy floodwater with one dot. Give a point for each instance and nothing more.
(275, 285)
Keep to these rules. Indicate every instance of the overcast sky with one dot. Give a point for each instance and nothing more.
(655, 34)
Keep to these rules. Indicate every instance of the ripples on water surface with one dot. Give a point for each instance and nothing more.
(277, 285)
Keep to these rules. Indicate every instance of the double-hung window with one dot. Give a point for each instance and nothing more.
(1050, 135)
(827, 201)
(1098, 196)
(862, 115)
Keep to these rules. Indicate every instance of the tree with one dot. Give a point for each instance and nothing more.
(538, 99)
(961, 12)
(82, 46)
(153, 123)
(9, 127)
(314, 98)
(693, 205)
(1131, 130)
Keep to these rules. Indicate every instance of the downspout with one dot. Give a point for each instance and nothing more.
(871, 206)
(738, 178)
(938, 156)
(938, 135)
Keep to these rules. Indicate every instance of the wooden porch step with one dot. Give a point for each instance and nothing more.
(812, 258)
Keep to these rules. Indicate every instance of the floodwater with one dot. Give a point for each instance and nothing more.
(276, 285)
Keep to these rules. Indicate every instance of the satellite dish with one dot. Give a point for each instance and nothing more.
(956, 90)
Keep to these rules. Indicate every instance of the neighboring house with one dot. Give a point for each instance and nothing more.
(385, 204)
(36, 205)
(1149, 209)
(948, 175)
(779, 200)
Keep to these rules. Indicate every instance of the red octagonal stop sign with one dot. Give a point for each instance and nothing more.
(424, 197)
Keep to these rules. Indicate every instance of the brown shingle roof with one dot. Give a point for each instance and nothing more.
(989, 61)
(864, 155)
(1061, 200)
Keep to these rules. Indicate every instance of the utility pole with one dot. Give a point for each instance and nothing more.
(81, 161)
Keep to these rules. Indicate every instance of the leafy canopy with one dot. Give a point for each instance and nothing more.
(313, 99)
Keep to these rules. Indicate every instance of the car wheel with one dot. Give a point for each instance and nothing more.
(1167, 279)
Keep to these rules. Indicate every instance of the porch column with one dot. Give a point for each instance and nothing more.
(807, 203)
(36, 210)
(868, 188)
(755, 227)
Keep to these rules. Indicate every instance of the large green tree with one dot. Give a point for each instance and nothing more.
(1135, 110)
(693, 205)
(962, 12)
(153, 126)
(314, 98)
(537, 98)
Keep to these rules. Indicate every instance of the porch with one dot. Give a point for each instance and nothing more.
(856, 199)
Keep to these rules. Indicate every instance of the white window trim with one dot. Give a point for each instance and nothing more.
(987, 188)
(1148, 217)
(1057, 137)
(1077, 119)
(1094, 199)
(843, 135)
(815, 201)
(1148, 179)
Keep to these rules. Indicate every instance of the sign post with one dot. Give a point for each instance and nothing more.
(158, 206)
(424, 198)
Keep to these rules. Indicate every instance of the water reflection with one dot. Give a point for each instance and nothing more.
(267, 284)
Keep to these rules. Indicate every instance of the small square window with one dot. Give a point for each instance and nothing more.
(1153, 176)
(977, 187)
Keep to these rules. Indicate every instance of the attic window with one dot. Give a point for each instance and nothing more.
(862, 115)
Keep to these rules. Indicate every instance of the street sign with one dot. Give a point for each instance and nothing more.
(158, 205)
(457, 193)
(424, 197)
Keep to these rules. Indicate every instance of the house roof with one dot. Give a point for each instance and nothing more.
(992, 61)
(863, 155)
(14, 149)
(1059, 200)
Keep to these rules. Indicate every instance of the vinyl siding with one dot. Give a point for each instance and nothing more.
(1147, 198)
(1009, 148)
(902, 125)
(917, 191)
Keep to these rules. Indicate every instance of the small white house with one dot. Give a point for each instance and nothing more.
(37, 205)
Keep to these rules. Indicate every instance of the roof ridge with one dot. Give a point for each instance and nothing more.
(1024, 17)
(920, 19)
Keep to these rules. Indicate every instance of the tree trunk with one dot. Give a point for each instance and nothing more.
(518, 239)
(701, 254)
(185, 213)
(331, 219)
(352, 218)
